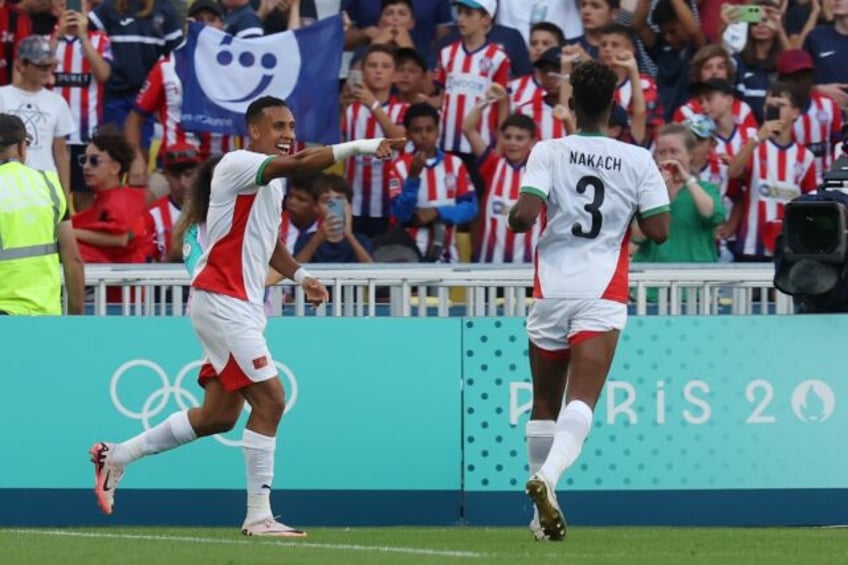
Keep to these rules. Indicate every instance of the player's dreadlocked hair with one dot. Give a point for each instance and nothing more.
(593, 88)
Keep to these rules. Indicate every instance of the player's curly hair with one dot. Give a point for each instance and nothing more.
(593, 88)
(196, 203)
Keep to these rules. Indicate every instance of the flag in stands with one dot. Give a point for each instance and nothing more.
(222, 75)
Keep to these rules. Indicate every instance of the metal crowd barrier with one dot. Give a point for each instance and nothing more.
(445, 290)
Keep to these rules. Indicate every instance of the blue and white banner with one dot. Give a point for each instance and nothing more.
(222, 75)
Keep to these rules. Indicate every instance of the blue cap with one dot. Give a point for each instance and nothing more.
(36, 49)
(702, 126)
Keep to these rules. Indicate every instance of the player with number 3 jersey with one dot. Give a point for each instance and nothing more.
(591, 187)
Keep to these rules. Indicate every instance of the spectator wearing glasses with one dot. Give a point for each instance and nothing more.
(180, 164)
(114, 228)
(45, 114)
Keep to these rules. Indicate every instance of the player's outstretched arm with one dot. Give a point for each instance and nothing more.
(316, 159)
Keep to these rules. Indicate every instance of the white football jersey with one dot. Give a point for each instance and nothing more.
(593, 187)
(242, 227)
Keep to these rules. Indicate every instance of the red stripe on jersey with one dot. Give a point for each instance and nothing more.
(432, 188)
(537, 283)
(223, 270)
(618, 286)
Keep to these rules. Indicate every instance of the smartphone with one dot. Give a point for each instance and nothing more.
(336, 207)
(75, 5)
(749, 14)
(772, 113)
(354, 77)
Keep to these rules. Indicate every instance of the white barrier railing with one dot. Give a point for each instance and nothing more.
(443, 290)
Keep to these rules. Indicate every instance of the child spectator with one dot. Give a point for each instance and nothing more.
(372, 114)
(334, 241)
(430, 189)
(543, 36)
(85, 64)
(466, 69)
(717, 98)
(777, 170)
(616, 43)
(819, 127)
(284, 15)
(180, 164)
(410, 81)
(494, 242)
(541, 109)
(300, 214)
(671, 49)
(712, 61)
(114, 228)
(595, 15)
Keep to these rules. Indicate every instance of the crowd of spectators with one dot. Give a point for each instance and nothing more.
(741, 102)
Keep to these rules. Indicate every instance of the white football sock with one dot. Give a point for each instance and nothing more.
(540, 436)
(259, 459)
(173, 432)
(572, 427)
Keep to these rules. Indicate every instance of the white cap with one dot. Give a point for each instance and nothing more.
(489, 6)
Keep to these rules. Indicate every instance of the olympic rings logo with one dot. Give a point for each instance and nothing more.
(157, 401)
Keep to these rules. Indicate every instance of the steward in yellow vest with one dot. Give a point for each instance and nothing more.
(35, 234)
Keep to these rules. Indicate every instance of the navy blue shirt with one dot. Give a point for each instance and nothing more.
(428, 14)
(752, 82)
(672, 75)
(328, 252)
(137, 43)
(828, 48)
(243, 22)
(510, 39)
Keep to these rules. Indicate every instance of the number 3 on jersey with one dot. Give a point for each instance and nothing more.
(594, 207)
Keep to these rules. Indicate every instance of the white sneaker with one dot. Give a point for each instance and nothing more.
(107, 475)
(270, 527)
(543, 496)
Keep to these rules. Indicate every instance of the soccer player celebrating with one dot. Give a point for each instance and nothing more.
(242, 228)
(591, 186)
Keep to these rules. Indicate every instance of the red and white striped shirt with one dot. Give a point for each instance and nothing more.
(466, 77)
(817, 128)
(624, 98)
(732, 145)
(715, 172)
(777, 174)
(499, 243)
(365, 173)
(162, 93)
(443, 181)
(742, 113)
(542, 115)
(161, 217)
(77, 85)
(524, 89)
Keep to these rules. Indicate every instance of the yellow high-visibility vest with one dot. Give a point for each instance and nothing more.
(31, 206)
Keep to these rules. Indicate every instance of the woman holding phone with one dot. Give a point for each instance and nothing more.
(696, 206)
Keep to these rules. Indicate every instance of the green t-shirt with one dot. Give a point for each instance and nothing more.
(691, 238)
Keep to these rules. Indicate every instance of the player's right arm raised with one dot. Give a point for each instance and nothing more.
(315, 159)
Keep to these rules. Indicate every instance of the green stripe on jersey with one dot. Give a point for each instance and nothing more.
(261, 171)
(534, 191)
